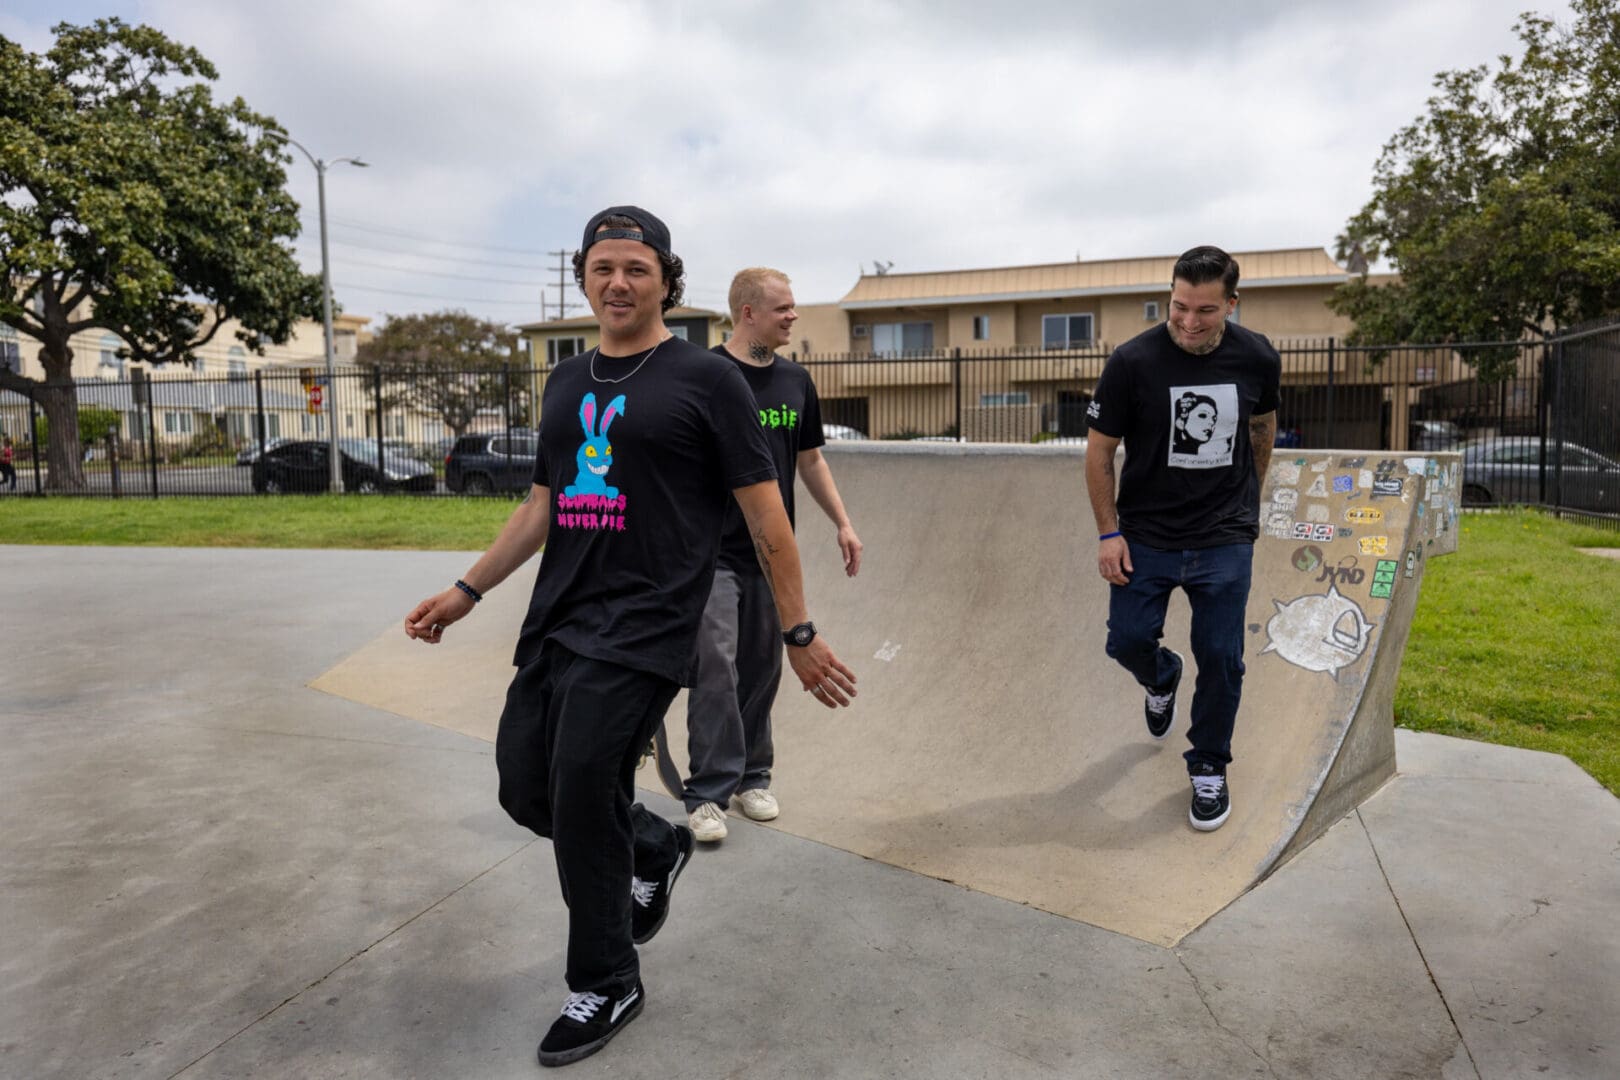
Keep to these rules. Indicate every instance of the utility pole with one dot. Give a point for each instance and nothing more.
(564, 268)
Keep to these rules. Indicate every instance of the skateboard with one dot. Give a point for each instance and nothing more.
(668, 773)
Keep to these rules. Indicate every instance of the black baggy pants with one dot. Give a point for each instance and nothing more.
(570, 736)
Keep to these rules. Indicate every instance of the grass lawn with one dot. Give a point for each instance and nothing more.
(1516, 638)
(1516, 641)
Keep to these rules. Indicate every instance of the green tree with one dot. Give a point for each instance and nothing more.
(1500, 207)
(448, 364)
(131, 201)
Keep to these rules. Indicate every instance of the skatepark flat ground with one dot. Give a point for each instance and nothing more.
(209, 869)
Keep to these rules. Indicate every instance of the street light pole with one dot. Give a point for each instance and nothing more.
(334, 461)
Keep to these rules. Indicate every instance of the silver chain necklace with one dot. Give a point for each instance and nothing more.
(598, 351)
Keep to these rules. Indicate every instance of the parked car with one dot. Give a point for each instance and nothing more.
(492, 461)
(250, 453)
(1509, 470)
(1434, 435)
(304, 466)
(840, 431)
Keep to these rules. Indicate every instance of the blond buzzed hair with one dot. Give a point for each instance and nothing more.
(748, 288)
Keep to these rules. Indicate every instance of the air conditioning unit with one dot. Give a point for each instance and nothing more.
(858, 330)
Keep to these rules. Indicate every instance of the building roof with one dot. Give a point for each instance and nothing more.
(1287, 266)
(585, 322)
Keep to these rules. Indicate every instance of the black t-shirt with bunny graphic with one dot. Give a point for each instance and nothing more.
(790, 415)
(641, 454)
(1189, 479)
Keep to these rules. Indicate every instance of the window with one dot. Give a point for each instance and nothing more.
(895, 339)
(201, 367)
(177, 423)
(1150, 311)
(1237, 314)
(858, 330)
(111, 365)
(1065, 331)
(558, 349)
(981, 328)
(1014, 397)
(274, 425)
(10, 353)
(679, 331)
(236, 362)
(135, 421)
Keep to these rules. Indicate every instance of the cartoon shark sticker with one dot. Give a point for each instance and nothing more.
(1322, 632)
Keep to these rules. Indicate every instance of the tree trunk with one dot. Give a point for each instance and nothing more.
(59, 397)
(63, 453)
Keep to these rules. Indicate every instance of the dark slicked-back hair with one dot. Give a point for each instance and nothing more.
(674, 271)
(1201, 264)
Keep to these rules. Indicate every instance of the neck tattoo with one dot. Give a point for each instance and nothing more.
(758, 353)
(598, 351)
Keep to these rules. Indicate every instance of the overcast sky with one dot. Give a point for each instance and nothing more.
(815, 137)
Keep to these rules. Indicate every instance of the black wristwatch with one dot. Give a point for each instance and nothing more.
(800, 635)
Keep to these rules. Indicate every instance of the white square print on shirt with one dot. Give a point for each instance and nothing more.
(1203, 426)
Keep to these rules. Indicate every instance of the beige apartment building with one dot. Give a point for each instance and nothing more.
(217, 391)
(1013, 353)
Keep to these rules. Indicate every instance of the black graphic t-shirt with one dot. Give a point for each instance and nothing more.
(640, 471)
(790, 415)
(1189, 478)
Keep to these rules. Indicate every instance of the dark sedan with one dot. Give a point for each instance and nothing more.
(304, 466)
(1510, 470)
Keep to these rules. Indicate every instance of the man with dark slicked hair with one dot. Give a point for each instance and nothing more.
(644, 442)
(1194, 400)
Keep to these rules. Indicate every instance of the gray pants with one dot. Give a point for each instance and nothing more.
(728, 709)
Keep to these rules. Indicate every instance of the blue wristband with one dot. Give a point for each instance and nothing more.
(469, 590)
(1107, 536)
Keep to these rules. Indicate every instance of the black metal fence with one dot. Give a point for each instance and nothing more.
(1538, 422)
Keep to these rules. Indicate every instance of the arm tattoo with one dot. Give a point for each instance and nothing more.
(764, 550)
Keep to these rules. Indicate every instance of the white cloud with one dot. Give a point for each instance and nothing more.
(937, 134)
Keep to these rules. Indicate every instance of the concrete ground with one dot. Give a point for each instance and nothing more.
(208, 869)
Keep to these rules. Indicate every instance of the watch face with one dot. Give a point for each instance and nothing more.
(802, 634)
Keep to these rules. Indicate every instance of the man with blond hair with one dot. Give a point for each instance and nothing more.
(728, 711)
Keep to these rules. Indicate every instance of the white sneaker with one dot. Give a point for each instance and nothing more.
(708, 823)
(759, 804)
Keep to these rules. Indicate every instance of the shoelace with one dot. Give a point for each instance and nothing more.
(642, 892)
(582, 1007)
(1160, 702)
(1208, 787)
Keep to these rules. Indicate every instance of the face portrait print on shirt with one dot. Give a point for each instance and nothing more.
(1203, 426)
(590, 502)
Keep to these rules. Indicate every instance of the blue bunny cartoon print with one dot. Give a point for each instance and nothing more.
(595, 454)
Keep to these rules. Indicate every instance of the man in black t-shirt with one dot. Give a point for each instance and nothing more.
(644, 442)
(1195, 402)
(728, 712)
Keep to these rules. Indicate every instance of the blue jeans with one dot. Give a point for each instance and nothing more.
(1216, 581)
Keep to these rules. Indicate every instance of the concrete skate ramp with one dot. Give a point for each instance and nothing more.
(993, 743)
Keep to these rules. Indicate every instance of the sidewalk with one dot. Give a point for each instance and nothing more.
(210, 870)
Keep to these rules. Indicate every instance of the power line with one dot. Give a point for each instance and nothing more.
(440, 273)
(339, 243)
(406, 234)
(337, 286)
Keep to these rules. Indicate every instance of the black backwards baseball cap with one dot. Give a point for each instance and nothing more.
(649, 230)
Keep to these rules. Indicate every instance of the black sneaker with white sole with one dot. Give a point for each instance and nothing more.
(650, 897)
(587, 1022)
(1211, 799)
(1160, 709)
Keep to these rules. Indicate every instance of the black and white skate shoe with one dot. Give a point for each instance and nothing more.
(650, 897)
(1160, 709)
(1211, 799)
(587, 1022)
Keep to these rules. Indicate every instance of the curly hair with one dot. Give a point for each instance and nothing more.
(674, 271)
